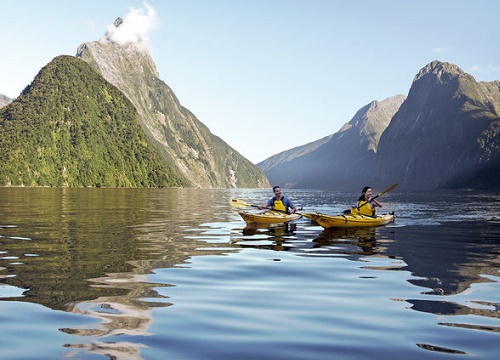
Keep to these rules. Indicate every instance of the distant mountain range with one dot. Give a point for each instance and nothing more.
(444, 134)
(110, 121)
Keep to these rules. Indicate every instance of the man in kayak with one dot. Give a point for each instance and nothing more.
(366, 204)
(279, 202)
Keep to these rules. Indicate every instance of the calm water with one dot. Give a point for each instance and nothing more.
(175, 274)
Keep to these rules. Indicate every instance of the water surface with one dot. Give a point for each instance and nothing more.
(175, 273)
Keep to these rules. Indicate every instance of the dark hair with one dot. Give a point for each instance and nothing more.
(275, 187)
(363, 196)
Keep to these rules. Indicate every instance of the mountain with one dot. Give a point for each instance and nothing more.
(70, 127)
(4, 100)
(289, 155)
(338, 160)
(182, 140)
(446, 133)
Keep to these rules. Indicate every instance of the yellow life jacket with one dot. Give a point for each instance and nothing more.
(366, 209)
(278, 205)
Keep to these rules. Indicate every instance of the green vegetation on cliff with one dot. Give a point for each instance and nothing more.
(70, 127)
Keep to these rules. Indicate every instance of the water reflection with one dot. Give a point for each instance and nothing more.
(91, 252)
(275, 230)
(88, 251)
(449, 258)
(444, 260)
(306, 237)
(361, 241)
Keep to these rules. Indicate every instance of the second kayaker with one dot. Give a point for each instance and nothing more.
(366, 204)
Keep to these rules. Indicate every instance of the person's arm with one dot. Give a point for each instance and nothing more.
(376, 203)
(266, 205)
(291, 205)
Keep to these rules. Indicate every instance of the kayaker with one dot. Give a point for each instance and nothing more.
(366, 205)
(279, 202)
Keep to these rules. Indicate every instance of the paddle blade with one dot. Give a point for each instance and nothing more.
(388, 189)
(239, 204)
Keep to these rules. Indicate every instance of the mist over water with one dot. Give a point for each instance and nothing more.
(176, 273)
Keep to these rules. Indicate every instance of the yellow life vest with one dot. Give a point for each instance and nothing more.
(278, 205)
(366, 209)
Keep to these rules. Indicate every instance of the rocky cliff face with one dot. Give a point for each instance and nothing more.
(339, 160)
(184, 142)
(446, 134)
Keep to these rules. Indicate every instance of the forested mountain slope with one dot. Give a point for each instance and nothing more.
(70, 127)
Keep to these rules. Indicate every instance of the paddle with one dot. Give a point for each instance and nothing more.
(379, 194)
(240, 204)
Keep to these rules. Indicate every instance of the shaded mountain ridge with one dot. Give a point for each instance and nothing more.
(445, 134)
(333, 161)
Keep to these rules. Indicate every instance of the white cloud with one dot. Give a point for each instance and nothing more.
(135, 28)
(439, 50)
(493, 68)
(477, 69)
(488, 69)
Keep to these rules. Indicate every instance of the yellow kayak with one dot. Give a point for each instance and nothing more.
(350, 220)
(309, 216)
(268, 217)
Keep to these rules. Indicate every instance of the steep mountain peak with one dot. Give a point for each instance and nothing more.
(117, 61)
(181, 138)
(447, 127)
(370, 122)
(120, 55)
(443, 71)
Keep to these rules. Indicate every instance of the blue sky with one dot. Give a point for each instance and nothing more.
(267, 75)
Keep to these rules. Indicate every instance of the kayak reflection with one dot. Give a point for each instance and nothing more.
(268, 236)
(304, 239)
(361, 241)
(274, 229)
